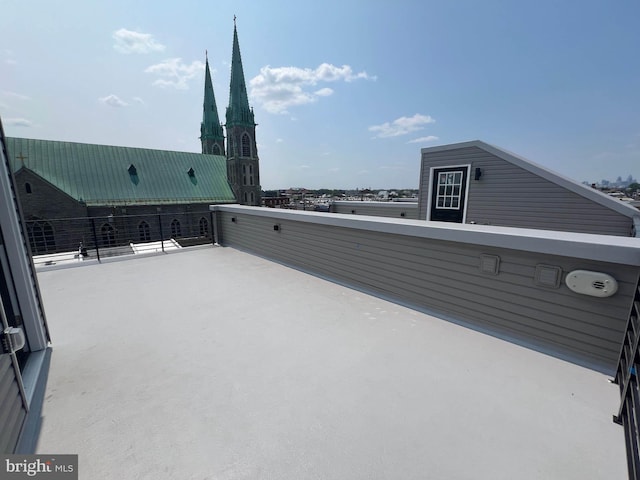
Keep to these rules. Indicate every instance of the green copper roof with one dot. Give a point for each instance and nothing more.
(103, 175)
(210, 127)
(238, 111)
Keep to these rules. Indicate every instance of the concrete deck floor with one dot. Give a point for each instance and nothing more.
(215, 364)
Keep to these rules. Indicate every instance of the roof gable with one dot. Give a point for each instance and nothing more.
(549, 175)
(102, 174)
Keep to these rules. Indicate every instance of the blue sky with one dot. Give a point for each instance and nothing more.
(345, 92)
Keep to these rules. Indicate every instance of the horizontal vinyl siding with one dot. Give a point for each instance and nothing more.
(12, 411)
(508, 195)
(378, 209)
(444, 277)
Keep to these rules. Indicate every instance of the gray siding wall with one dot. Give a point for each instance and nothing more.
(377, 209)
(12, 410)
(511, 196)
(443, 277)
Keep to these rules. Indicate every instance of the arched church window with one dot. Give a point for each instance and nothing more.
(108, 234)
(244, 174)
(251, 175)
(175, 228)
(41, 237)
(245, 197)
(253, 198)
(27, 187)
(144, 231)
(204, 227)
(216, 149)
(246, 145)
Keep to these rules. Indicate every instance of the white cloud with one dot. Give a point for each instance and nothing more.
(401, 126)
(428, 138)
(174, 73)
(128, 41)
(18, 122)
(277, 89)
(138, 100)
(17, 96)
(113, 101)
(323, 92)
(279, 140)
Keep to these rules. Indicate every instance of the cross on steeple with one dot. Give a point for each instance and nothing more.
(22, 158)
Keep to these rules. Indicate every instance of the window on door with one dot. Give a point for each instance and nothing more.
(449, 190)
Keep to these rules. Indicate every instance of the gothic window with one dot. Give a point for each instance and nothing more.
(250, 174)
(144, 231)
(253, 198)
(216, 149)
(244, 174)
(245, 198)
(108, 235)
(41, 237)
(246, 145)
(175, 229)
(27, 187)
(204, 227)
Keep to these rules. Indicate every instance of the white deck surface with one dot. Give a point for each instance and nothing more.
(215, 364)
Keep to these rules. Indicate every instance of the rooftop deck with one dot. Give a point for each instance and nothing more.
(213, 363)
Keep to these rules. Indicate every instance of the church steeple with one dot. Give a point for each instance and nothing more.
(211, 134)
(242, 150)
(238, 111)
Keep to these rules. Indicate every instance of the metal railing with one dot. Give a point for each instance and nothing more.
(62, 240)
(627, 379)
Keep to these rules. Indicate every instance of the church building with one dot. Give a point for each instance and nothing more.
(242, 152)
(127, 190)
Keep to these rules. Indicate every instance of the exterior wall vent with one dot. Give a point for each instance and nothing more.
(548, 276)
(594, 284)
(489, 264)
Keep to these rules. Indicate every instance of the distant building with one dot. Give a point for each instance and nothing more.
(243, 170)
(474, 182)
(75, 180)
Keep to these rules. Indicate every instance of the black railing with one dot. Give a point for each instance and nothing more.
(56, 240)
(627, 379)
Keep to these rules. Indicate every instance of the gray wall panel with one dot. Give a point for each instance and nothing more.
(444, 277)
(408, 210)
(12, 410)
(509, 195)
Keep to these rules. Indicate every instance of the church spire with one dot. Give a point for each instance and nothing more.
(238, 111)
(243, 169)
(211, 134)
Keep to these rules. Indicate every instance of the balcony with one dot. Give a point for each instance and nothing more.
(225, 362)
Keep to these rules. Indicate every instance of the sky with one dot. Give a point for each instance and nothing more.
(345, 93)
